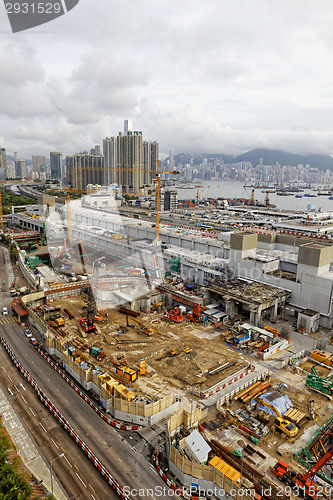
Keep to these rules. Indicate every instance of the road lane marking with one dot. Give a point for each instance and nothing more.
(67, 461)
(4, 369)
(22, 386)
(80, 479)
(42, 426)
(119, 460)
(130, 437)
(34, 414)
(92, 488)
(24, 399)
(10, 390)
(55, 444)
(63, 449)
(76, 467)
(92, 496)
(16, 388)
(10, 378)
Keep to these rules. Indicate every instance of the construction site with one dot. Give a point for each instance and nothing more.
(223, 359)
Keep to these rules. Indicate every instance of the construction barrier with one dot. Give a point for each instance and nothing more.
(226, 383)
(92, 405)
(248, 383)
(65, 424)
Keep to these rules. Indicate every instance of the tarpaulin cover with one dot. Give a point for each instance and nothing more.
(280, 401)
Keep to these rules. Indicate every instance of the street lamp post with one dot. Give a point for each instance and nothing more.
(61, 455)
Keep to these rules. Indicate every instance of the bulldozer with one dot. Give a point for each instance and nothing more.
(283, 425)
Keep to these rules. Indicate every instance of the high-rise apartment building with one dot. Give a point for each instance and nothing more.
(111, 175)
(3, 161)
(21, 168)
(150, 162)
(129, 161)
(83, 169)
(56, 165)
(37, 162)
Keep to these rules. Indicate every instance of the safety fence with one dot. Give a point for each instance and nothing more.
(64, 423)
(113, 423)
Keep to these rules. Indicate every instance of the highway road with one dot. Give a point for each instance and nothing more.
(113, 448)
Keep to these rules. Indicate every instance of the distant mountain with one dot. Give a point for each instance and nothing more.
(269, 156)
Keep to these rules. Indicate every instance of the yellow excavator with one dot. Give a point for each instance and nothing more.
(143, 329)
(283, 425)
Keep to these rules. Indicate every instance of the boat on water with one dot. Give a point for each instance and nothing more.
(309, 195)
(298, 196)
(330, 198)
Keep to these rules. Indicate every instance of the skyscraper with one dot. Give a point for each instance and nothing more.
(37, 162)
(83, 169)
(129, 161)
(56, 165)
(110, 161)
(3, 161)
(21, 168)
(150, 162)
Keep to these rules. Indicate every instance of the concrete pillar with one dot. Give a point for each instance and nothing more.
(274, 310)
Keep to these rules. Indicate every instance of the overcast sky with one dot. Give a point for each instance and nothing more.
(198, 76)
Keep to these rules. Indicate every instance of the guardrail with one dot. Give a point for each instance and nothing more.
(92, 405)
(65, 424)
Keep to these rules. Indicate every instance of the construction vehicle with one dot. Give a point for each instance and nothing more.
(97, 352)
(194, 316)
(127, 373)
(143, 329)
(174, 315)
(119, 360)
(283, 425)
(302, 484)
(60, 321)
(319, 384)
(99, 317)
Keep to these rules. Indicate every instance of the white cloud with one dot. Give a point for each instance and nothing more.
(196, 76)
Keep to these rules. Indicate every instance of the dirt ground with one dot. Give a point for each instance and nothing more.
(198, 349)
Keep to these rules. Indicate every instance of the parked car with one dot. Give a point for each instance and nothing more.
(4, 311)
(33, 341)
(28, 333)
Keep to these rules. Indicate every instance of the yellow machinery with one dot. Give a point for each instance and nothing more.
(59, 321)
(127, 373)
(283, 425)
(142, 367)
(143, 329)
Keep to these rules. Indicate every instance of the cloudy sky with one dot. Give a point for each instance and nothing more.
(198, 76)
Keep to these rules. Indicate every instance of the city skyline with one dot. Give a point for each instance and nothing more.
(214, 77)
